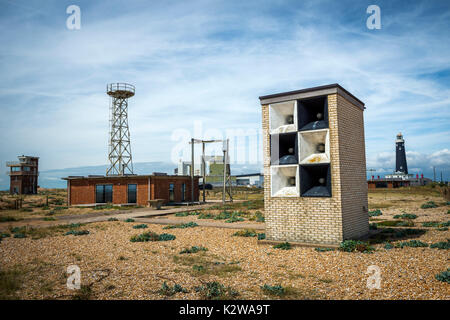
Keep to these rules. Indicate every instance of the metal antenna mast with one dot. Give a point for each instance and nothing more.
(119, 155)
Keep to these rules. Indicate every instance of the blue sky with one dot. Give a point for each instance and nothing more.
(209, 61)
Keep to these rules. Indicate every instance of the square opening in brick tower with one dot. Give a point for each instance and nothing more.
(284, 148)
(313, 113)
(315, 180)
(284, 181)
(314, 146)
(283, 117)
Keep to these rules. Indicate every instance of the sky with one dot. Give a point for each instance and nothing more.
(200, 66)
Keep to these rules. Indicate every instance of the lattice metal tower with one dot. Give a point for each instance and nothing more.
(119, 155)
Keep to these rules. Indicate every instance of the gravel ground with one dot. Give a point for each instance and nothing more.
(136, 270)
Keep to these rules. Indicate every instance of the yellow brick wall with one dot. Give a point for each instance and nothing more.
(322, 220)
(353, 169)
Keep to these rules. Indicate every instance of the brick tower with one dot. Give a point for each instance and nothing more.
(23, 175)
(315, 189)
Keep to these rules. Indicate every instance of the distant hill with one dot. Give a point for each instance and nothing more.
(52, 178)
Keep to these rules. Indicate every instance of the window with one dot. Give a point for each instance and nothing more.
(103, 193)
(183, 192)
(26, 168)
(132, 194)
(171, 192)
(15, 169)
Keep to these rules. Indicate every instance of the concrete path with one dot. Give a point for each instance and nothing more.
(103, 216)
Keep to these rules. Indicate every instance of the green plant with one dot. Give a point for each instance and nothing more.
(428, 205)
(276, 290)
(187, 213)
(405, 216)
(215, 291)
(283, 246)
(144, 237)
(323, 249)
(412, 244)
(193, 249)
(373, 226)
(20, 235)
(140, 226)
(442, 229)
(152, 236)
(113, 219)
(388, 246)
(406, 223)
(49, 219)
(375, 213)
(167, 290)
(258, 217)
(182, 226)
(166, 237)
(395, 223)
(129, 220)
(4, 235)
(234, 218)
(443, 276)
(445, 224)
(355, 245)
(26, 210)
(245, 233)
(77, 232)
(441, 245)
(206, 216)
(223, 215)
(8, 219)
(198, 268)
(435, 224)
(261, 236)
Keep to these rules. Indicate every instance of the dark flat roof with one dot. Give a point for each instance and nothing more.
(249, 175)
(296, 92)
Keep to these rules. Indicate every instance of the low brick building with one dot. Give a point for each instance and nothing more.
(315, 189)
(129, 189)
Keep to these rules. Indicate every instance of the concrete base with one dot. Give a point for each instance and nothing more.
(317, 245)
(299, 244)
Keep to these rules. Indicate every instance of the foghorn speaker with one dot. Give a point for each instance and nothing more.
(314, 146)
(284, 181)
(283, 117)
(312, 113)
(315, 180)
(284, 148)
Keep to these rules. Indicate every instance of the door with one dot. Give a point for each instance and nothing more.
(132, 193)
(171, 192)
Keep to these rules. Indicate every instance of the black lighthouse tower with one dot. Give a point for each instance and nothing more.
(400, 155)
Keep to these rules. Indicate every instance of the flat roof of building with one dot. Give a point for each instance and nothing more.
(311, 92)
(248, 175)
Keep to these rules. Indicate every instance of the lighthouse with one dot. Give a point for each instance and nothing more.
(400, 155)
